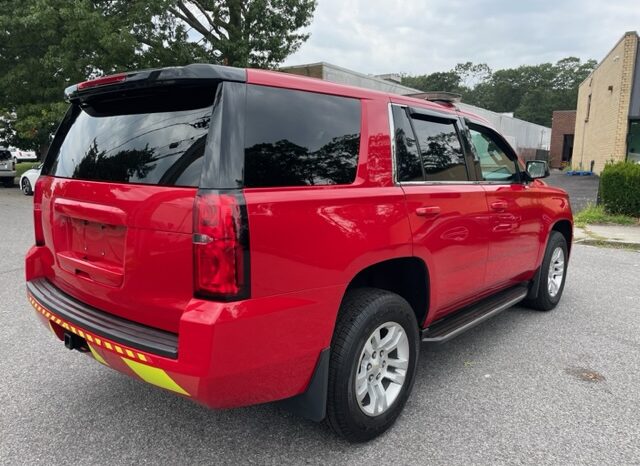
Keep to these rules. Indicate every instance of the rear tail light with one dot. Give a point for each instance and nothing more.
(37, 212)
(220, 245)
(111, 79)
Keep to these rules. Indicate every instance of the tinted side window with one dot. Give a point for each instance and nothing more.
(495, 164)
(407, 155)
(296, 138)
(442, 155)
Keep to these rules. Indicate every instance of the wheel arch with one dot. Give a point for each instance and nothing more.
(406, 276)
(565, 228)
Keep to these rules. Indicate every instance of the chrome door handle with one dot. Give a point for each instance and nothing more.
(499, 206)
(431, 211)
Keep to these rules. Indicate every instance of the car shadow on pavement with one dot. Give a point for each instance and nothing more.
(149, 414)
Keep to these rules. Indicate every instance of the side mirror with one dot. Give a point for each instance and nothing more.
(537, 169)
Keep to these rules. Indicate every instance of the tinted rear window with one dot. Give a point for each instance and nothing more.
(296, 138)
(5, 155)
(149, 139)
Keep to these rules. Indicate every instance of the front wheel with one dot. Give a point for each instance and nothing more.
(26, 187)
(374, 355)
(553, 273)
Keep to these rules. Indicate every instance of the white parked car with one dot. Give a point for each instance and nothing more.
(28, 180)
(23, 155)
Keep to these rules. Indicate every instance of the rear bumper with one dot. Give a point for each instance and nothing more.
(224, 354)
(125, 332)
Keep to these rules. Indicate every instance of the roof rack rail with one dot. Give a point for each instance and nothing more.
(438, 96)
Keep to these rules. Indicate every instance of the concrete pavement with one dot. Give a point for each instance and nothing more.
(523, 388)
(612, 235)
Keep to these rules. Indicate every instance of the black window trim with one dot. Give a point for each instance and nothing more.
(509, 151)
(429, 115)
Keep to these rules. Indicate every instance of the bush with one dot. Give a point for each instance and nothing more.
(620, 188)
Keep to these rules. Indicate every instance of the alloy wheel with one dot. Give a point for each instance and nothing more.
(382, 369)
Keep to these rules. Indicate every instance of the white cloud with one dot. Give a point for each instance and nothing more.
(423, 36)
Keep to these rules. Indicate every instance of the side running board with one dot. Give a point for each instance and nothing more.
(470, 316)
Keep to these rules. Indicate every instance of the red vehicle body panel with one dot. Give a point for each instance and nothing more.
(306, 245)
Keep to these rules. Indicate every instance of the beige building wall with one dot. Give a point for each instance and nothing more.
(602, 117)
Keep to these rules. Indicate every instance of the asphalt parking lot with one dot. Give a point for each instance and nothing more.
(582, 190)
(526, 387)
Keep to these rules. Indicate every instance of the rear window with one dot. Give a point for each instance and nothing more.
(5, 155)
(297, 138)
(157, 139)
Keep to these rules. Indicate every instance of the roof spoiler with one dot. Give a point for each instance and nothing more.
(153, 77)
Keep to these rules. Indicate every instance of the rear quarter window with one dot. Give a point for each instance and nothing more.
(298, 138)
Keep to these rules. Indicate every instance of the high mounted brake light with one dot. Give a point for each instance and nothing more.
(105, 80)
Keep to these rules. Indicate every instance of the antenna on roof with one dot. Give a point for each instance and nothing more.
(438, 96)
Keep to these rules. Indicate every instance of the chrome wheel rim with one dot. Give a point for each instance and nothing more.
(556, 272)
(25, 186)
(382, 369)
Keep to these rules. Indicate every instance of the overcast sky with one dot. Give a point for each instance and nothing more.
(423, 36)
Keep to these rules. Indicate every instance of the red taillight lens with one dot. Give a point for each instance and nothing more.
(37, 212)
(220, 245)
(112, 79)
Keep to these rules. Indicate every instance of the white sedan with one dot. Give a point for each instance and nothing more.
(28, 180)
(23, 155)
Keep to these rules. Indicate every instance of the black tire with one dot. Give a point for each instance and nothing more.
(26, 187)
(8, 182)
(362, 311)
(544, 301)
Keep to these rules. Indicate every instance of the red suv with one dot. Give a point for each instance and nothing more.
(245, 236)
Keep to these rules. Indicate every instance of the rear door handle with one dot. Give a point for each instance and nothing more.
(431, 211)
(499, 206)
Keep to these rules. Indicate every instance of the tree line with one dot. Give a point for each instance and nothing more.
(47, 45)
(531, 92)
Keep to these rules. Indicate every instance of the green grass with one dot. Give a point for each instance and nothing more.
(595, 214)
(23, 167)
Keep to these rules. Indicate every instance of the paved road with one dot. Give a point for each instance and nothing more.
(582, 189)
(525, 387)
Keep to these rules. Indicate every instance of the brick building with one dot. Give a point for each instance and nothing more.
(608, 114)
(562, 138)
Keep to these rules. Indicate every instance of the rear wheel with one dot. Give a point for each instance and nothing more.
(374, 355)
(8, 182)
(553, 274)
(26, 187)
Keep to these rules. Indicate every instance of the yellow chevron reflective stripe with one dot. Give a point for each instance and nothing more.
(154, 376)
(97, 356)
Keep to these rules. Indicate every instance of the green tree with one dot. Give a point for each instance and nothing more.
(448, 81)
(531, 92)
(47, 45)
(256, 33)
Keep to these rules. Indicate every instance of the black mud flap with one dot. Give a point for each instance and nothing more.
(534, 285)
(312, 404)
